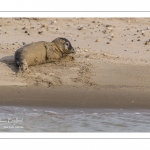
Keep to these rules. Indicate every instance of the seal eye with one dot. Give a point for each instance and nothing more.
(67, 44)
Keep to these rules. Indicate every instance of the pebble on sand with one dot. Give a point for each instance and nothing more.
(86, 50)
(40, 32)
(23, 43)
(87, 56)
(80, 28)
(147, 42)
(148, 28)
(108, 25)
(104, 54)
(43, 26)
(143, 31)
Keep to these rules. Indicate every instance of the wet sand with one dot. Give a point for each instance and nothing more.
(105, 97)
(111, 67)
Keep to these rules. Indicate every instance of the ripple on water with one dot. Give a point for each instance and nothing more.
(74, 120)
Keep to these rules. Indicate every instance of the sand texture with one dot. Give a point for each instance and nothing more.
(111, 53)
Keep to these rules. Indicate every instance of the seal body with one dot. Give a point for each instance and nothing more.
(42, 52)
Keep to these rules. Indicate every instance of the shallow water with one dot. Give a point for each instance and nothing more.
(36, 119)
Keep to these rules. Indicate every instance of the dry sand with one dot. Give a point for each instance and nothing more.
(111, 67)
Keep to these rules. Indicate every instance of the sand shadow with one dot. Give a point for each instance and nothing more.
(9, 61)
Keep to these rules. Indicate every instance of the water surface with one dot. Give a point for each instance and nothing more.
(43, 119)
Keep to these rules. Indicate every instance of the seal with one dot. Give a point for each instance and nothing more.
(43, 52)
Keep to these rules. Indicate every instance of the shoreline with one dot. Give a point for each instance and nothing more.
(76, 97)
(111, 67)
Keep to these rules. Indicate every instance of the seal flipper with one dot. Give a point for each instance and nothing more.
(23, 66)
(67, 58)
(17, 63)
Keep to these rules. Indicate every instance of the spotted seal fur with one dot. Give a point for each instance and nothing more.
(43, 52)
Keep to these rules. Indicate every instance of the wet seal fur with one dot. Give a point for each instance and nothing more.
(43, 52)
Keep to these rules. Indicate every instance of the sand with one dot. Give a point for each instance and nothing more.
(73, 97)
(111, 67)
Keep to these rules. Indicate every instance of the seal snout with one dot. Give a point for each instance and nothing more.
(72, 50)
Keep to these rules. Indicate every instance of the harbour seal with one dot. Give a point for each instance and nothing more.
(43, 52)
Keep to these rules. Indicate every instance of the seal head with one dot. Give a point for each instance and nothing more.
(64, 45)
